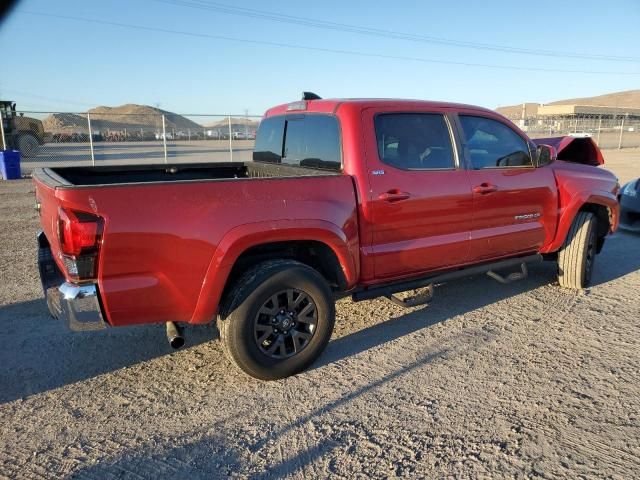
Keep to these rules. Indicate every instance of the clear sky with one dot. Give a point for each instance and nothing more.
(61, 64)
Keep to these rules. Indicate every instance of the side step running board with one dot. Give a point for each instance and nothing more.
(390, 289)
(512, 277)
(420, 299)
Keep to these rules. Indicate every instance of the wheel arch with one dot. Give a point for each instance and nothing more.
(604, 205)
(318, 244)
(603, 217)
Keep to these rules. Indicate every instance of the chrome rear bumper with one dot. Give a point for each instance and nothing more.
(78, 306)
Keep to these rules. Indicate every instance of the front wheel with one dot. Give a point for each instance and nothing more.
(28, 145)
(278, 319)
(578, 253)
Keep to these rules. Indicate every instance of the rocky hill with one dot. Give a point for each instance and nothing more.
(65, 123)
(128, 116)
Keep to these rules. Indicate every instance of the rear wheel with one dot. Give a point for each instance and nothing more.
(278, 320)
(578, 253)
(28, 144)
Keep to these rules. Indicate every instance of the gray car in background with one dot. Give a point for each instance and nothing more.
(630, 206)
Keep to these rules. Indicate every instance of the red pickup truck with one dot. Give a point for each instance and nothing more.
(352, 197)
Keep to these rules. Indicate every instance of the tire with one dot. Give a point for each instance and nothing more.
(577, 255)
(28, 145)
(258, 337)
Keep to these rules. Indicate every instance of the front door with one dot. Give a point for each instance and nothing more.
(514, 203)
(421, 197)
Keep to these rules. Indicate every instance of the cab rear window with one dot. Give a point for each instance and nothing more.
(311, 141)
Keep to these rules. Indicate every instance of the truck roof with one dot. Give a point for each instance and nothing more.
(331, 105)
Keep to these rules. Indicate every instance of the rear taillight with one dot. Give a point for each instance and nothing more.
(80, 235)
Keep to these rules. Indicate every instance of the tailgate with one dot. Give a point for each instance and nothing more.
(72, 229)
(47, 205)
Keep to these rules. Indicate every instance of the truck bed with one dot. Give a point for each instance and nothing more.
(170, 231)
(135, 174)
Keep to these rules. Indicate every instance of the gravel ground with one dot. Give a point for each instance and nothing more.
(524, 380)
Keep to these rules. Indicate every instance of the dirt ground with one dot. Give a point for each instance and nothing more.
(489, 381)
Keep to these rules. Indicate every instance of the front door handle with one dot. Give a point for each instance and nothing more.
(394, 195)
(485, 188)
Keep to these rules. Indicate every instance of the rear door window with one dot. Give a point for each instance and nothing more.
(492, 144)
(414, 141)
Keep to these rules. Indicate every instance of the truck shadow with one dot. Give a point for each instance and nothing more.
(45, 355)
(450, 300)
(620, 257)
(39, 354)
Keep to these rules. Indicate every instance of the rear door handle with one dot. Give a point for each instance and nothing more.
(484, 188)
(394, 195)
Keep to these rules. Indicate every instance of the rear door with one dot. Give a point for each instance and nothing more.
(421, 197)
(514, 203)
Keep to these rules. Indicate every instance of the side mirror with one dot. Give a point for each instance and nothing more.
(545, 154)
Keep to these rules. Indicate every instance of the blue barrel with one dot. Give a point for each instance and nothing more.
(10, 164)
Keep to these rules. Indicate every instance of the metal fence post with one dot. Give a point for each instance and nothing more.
(230, 144)
(93, 158)
(621, 130)
(4, 141)
(164, 138)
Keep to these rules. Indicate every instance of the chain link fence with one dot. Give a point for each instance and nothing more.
(103, 138)
(608, 131)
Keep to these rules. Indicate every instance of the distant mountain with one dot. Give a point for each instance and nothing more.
(128, 116)
(513, 111)
(234, 121)
(629, 99)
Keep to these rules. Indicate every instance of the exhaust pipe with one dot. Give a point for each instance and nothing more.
(174, 335)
